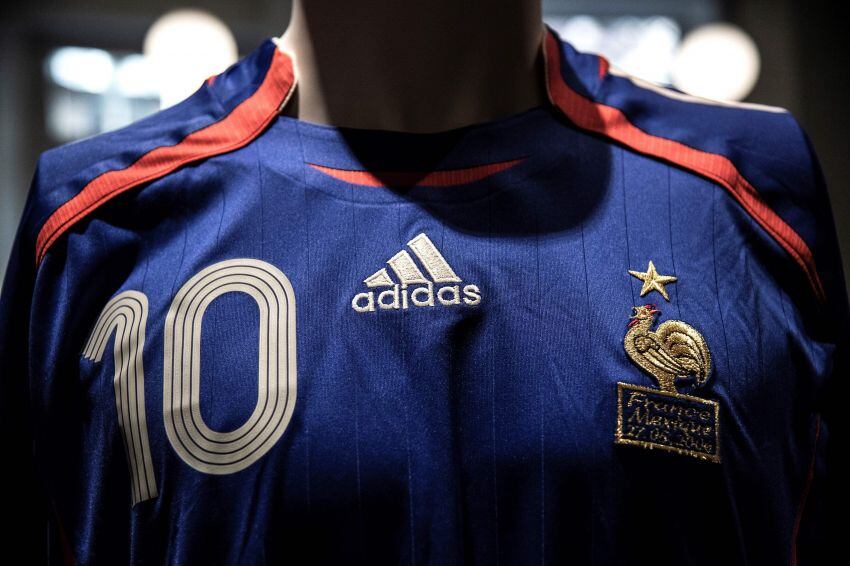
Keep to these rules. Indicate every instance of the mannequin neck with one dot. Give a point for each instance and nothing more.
(414, 66)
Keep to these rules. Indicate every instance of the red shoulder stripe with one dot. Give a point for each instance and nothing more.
(235, 130)
(603, 66)
(612, 123)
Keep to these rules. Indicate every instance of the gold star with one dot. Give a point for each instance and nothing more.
(652, 281)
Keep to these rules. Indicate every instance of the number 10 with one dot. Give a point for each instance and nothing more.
(204, 449)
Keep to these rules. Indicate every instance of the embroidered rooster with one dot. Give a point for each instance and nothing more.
(675, 350)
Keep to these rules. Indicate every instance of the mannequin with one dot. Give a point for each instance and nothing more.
(396, 65)
(430, 336)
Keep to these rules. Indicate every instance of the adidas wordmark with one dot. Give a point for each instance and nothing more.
(413, 287)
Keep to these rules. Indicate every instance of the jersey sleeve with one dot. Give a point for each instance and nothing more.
(25, 526)
(823, 497)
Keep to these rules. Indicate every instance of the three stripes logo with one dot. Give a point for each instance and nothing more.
(413, 288)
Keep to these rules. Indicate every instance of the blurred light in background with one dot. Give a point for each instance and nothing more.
(135, 77)
(82, 69)
(185, 47)
(717, 61)
(91, 90)
(641, 46)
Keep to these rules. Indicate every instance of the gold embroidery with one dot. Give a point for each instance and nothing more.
(674, 351)
(664, 418)
(653, 281)
(684, 424)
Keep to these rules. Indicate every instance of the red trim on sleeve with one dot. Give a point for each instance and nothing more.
(238, 128)
(603, 66)
(445, 178)
(613, 123)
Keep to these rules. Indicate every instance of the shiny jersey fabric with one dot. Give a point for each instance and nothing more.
(194, 370)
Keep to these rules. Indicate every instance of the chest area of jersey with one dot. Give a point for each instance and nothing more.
(460, 349)
(487, 334)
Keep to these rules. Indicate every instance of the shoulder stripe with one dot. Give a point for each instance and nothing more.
(236, 129)
(613, 123)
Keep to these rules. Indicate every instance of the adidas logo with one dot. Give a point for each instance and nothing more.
(413, 287)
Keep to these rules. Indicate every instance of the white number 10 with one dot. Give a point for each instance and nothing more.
(204, 449)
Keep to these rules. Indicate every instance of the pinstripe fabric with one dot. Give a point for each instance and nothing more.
(612, 122)
(460, 302)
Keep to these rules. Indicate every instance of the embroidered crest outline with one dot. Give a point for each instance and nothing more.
(674, 354)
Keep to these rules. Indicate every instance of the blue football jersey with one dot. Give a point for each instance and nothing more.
(610, 329)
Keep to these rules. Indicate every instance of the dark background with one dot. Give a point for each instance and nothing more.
(803, 47)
